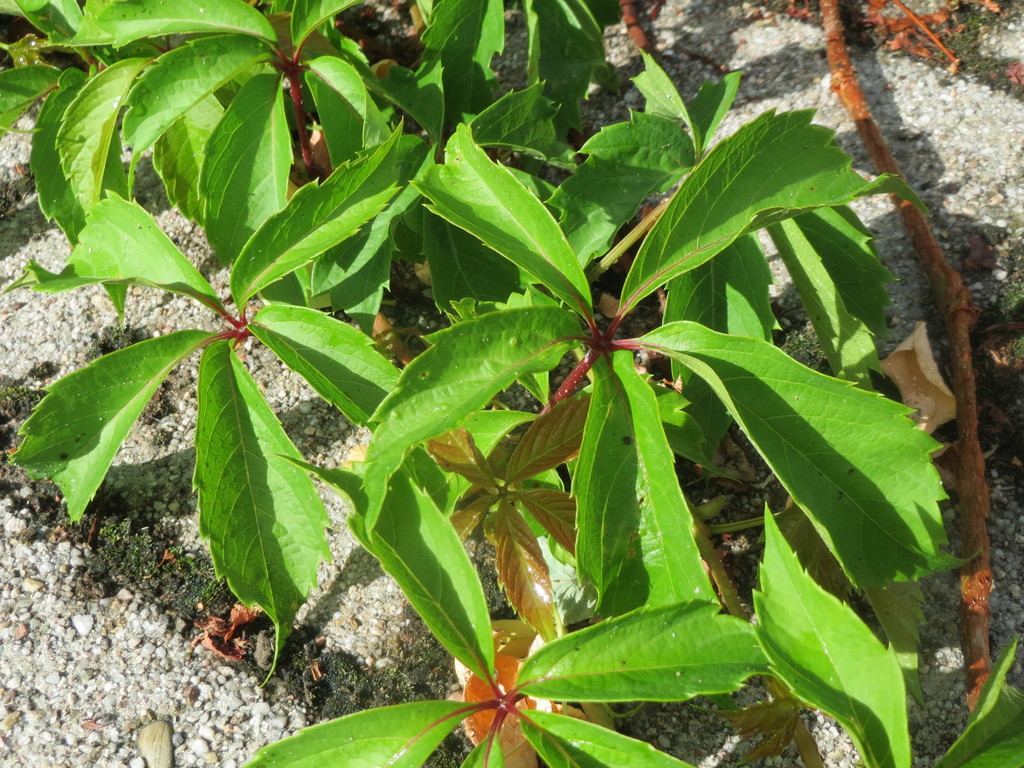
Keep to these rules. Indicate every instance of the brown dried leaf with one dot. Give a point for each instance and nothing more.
(457, 452)
(422, 271)
(1015, 73)
(552, 439)
(555, 511)
(912, 368)
(522, 571)
(218, 634)
(608, 305)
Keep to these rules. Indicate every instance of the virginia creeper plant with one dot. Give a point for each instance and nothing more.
(311, 171)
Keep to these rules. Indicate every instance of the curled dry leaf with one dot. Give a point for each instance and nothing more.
(608, 305)
(912, 368)
(422, 270)
(1015, 73)
(219, 634)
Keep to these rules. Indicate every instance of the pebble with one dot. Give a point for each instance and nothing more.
(156, 745)
(83, 623)
(199, 747)
(32, 585)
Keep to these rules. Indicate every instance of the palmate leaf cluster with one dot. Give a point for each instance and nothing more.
(311, 173)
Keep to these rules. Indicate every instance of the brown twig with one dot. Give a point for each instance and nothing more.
(960, 313)
(385, 334)
(954, 62)
(632, 22)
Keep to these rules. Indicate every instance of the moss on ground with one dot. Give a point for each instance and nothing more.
(803, 346)
(147, 560)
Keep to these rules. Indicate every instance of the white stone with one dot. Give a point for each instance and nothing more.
(83, 623)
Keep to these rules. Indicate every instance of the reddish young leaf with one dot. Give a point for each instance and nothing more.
(475, 503)
(523, 572)
(456, 451)
(555, 511)
(553, 439)
(775, 720)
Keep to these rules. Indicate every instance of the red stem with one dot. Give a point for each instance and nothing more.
(572, 381)
(295, 91)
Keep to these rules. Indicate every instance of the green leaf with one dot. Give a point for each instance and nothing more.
(259, 512)
(844, 245)
(128, 20)
(668, 653)
(350, 119)
(178, 155)
(635, 542)
(710, 106)
(520, 121)
(402, 736)
(74, 433)
(772, 169)
(848, 343)
(565, 49)
(182, 78)
(506, 217)
(685, 436)
(994, 736)
(418, 93)
(489, 427)
(898, 607)
(59, 19)
(356, 272)
(462, 267)
(829, 658)
(705, 112)
(416, 544)
(465, 367)
(607, 13)
(568, 742)
(485, 755)
(307, 15)
(626, 162)
(463, 36)
(57, 200)
(21, 86)
(851, 459)
(728, 294)
(245, 174)
(339, 362)
(87, 141)
(660, 94)
(317, 217)
(122, 244)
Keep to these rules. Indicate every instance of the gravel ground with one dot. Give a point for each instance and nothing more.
(89, 662)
